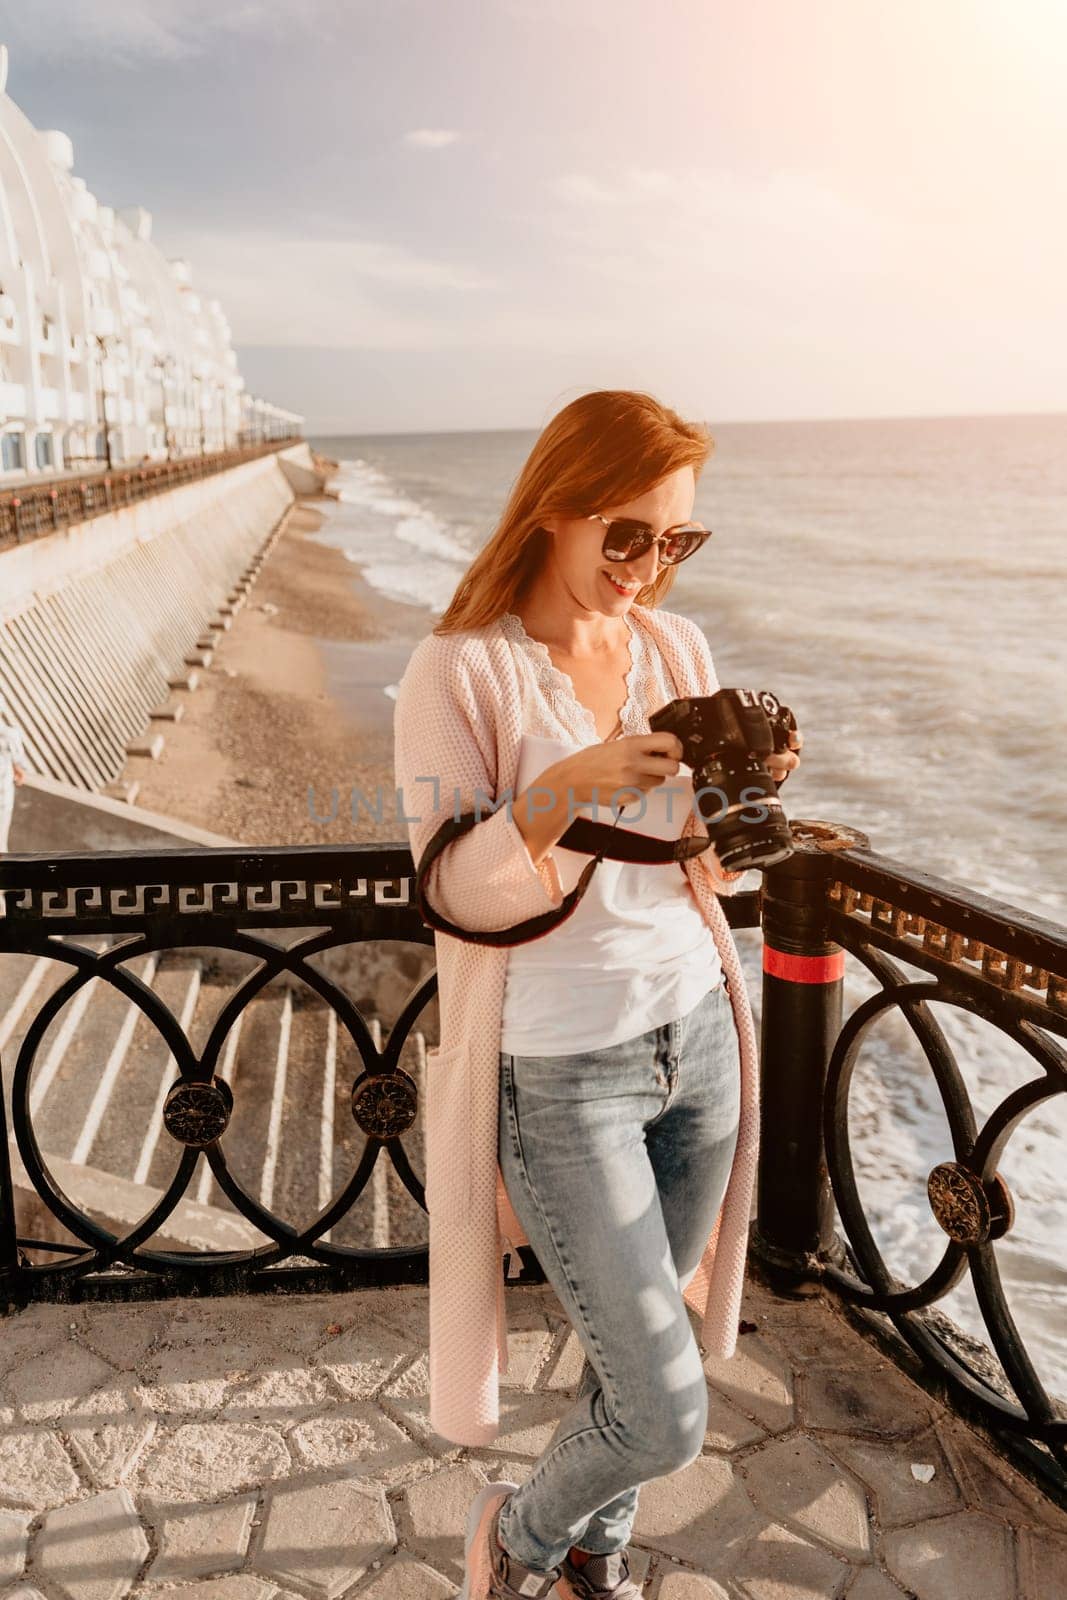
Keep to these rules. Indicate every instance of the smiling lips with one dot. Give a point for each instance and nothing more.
(622, 588)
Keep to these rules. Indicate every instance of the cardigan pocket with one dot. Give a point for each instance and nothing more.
(447, 1131)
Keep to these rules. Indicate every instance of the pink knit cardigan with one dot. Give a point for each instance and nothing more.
(458, 732)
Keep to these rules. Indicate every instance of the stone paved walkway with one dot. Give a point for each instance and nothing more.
(261, 1449)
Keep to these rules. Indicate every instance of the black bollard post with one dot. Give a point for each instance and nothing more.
(803, 980)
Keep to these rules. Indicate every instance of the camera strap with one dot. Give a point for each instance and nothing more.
(595, 839)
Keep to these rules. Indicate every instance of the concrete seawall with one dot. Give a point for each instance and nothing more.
(100, 621)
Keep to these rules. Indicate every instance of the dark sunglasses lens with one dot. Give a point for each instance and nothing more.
(625, 541)
(682, 544)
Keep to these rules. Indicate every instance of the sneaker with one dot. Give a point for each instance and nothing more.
(490, 1572)
(599, 1578)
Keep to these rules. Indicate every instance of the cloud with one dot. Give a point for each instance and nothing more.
(335, 293)
(431, 138)
(794, 250)
(711, 224)
(129, 31)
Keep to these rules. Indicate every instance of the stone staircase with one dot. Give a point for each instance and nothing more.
(102, 1070)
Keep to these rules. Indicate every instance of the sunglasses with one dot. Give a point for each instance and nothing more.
(626, 540)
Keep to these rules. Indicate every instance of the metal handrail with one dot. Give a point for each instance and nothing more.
(835, 898)
(41, 507)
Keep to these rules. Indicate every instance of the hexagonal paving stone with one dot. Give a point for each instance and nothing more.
(30, 1331)
(989, 1483)
(35, 1470)
(13, 1526)
(886, 1470)
(500, 1469)
(206, 1368)
(797, 1313)
(404, 1578)
(407, 1400)
(873, 1585)
(121, 1335)
(365, 1357)
(875, 1400)
(110, 1442)
(358, 1437)
(55, 1384)
(796, 1481)
(435, 1514)
(779, 1565)
(527, 1422)
(239, 1329)
(93, 1548)
(678, 1585)
(182, 1382)
(406, 1310)
(757, 1380)
(565, 1371)
(299, 1322)
(240, 1587)
(325, 1535)
(819, 1334)
(207, 1460)
(411, 1380)
(204, 1539)
(1042, 1563)
(280, 1395)
(528, 1350)
(701, 1514)
(965, 1554)
(727, 1428)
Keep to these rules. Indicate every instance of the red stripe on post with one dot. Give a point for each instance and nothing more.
(803, 969)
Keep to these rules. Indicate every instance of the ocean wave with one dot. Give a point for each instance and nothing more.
(429, 534)
(425, 584)
(373, 519)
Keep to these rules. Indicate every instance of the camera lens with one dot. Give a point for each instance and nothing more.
(740, 807)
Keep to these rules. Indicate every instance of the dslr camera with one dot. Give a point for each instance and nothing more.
(724, 738)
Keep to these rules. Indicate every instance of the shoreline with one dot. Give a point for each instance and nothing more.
(292, 711)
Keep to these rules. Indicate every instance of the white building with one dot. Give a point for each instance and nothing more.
(107, 352)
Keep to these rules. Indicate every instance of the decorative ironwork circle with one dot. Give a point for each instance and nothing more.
(197, 1113)
(385, 1104)
(959, 1202)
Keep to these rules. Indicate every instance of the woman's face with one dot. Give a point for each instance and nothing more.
(575, 554)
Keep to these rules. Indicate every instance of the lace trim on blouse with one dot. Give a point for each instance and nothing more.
(552, 710)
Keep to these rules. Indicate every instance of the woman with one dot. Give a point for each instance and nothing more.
(587, 1097)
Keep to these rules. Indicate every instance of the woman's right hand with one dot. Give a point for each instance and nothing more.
(638, 762)
(600, 774)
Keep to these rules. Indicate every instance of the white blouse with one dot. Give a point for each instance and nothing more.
(636, 953)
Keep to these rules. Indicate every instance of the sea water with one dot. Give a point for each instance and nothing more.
(902, 585)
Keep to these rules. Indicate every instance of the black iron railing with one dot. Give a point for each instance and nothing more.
(236, 902)
(282, 909)
(978, 955)
(37, 508)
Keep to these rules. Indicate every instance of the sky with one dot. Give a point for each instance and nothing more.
(451, 214)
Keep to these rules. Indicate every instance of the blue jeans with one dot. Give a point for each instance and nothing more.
(616, 1163)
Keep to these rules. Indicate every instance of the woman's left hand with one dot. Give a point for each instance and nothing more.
(782, 762)
(18, 772)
